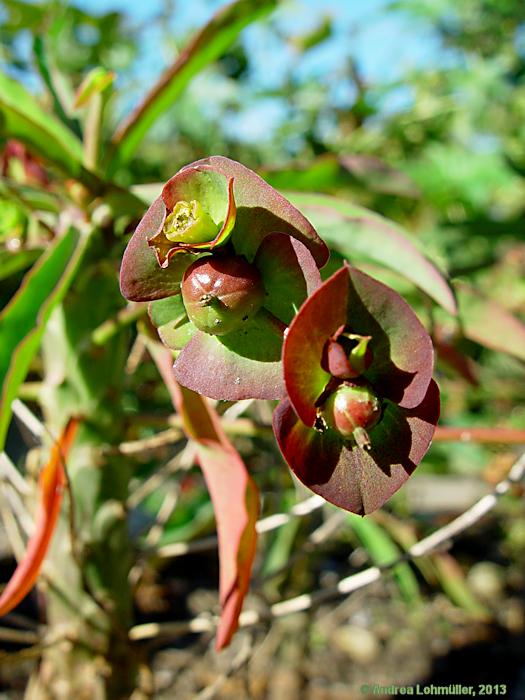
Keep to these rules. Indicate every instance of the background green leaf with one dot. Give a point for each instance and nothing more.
(23, 320)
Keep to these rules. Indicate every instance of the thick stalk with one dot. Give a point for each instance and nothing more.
(88, 599)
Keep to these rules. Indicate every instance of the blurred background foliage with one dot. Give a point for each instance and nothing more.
(434, 142)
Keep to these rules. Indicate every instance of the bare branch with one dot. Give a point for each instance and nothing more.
(351, 583)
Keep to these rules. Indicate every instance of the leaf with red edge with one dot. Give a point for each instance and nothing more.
(240, 365)
(234, 494)
(289, 274)
(51, 484)
(262, 210)
(490, 324)
(141, 277)
(356, 479)
(401, 348)
(358, 233)
(247, 363)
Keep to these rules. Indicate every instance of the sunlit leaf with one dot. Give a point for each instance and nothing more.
(96, 81)
(348, 476)
(21, 117)
(488, 323)
(210, 43)
(355, 231)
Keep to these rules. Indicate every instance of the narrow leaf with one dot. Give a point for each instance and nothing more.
(233, 493)
(51, 484)
(210, 43)
(23, 320)
(356, 231)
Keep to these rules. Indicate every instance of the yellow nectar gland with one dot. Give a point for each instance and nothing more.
(189, 223)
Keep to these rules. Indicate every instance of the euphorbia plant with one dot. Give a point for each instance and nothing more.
(361, 405)
(225, 261)
(234, 261)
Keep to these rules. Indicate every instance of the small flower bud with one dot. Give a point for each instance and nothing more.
(350, 410)
(221, 294)
(347, 355)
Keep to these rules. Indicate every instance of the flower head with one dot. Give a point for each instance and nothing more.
(361, 405)
(261, 259)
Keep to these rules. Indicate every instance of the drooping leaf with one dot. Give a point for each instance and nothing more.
(22, 118)
(356, 231)
(51, 484)
(212, 41)
(233, 493)
(488, 323)
(356, 479)
(23, 320)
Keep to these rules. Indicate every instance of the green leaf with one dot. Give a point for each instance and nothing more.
(355, 231)
(10, 263)
(210, 43)
(23, 320)
(383, 552)
(95, 82)
(21, 117)
(488, 323)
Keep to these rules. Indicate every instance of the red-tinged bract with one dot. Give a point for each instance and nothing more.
(356, 441)
(219, 209)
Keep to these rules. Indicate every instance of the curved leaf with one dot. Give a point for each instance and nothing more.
(262, 210)
(401, 348)
(240, 365)
(354, 230)
(247, 363)
(141, 277)
(488, 323)
(234, 494)
(210, 43)
(51, 484)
